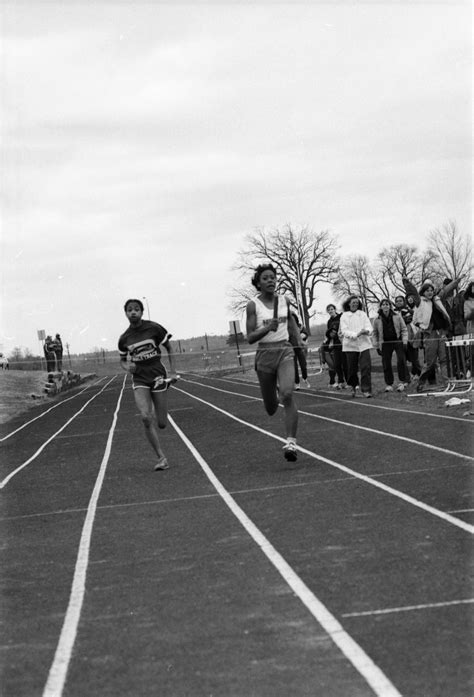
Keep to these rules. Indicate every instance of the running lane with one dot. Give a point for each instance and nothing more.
(181, 599)
(391, 571)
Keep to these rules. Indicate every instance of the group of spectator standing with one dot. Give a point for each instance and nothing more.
(421, 319)
(53, 352)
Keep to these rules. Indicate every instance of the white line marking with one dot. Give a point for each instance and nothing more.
(316, 392)
(46, 411)
(58, 671)
(351, 425)
(377, 680)
(388, 489)
(408, 608)
(389, 435)
(41, 448)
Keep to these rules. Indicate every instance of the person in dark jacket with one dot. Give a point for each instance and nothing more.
(391, 334)
(58, 350)
(405, 307)
(300, 349)
(332, 350)
(49, 354)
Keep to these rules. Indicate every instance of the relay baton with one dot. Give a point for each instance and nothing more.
(275, 306)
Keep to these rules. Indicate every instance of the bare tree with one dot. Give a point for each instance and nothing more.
(452, 252)
(402, 261)
(302, 258)
(372, 281)
(355, 276)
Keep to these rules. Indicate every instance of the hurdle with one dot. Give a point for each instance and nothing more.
(459, 366)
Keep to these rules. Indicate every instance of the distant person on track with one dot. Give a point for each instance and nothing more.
(270, 322)
(4, 362)
(142, 343)
(355, 330)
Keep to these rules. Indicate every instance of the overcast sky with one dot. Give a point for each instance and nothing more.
(141, 142)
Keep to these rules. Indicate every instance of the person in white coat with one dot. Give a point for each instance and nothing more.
(355, 331)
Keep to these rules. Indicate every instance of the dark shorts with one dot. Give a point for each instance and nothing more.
(150, 378)
(270, 356)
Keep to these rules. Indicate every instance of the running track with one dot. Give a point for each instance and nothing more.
(235, 573)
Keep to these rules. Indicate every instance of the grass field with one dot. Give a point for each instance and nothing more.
(16, 390)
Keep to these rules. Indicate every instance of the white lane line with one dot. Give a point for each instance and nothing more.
(58, 671)
(55, 406)
(390, 435)
(408, 608)
(42, 447)
(373, 482)
(316, 392)
(463, 510)
(351, 425)
(377, 680)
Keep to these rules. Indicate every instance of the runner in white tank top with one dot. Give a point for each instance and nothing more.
(270, 324)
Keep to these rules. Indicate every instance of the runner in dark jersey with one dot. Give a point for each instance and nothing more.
(141, 343)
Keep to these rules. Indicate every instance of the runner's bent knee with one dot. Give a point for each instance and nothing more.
(147, 420)
(286, 396)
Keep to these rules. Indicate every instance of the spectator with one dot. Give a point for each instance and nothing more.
(406, 307)
(355, 330)
(58, 350)
(4, 362)
(49, 354)
(434, 321)
(449, 301)
(332, 350)
(300, 348)
(468, 307)
(390, 334)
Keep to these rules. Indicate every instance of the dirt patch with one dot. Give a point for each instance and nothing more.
(17, 388)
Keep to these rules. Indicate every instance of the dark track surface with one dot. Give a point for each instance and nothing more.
(180, 599)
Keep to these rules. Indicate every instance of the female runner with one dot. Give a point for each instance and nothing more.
(270, 322)
(142, 342)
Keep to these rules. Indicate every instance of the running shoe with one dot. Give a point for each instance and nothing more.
(401, 387)
(162, 464)
(297, 386)
(389, 388)
(367, 394)
(290, 452)
(306, 384)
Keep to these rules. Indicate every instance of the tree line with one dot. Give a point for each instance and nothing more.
(304, 258)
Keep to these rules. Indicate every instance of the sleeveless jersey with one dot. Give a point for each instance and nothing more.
(265, 315)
